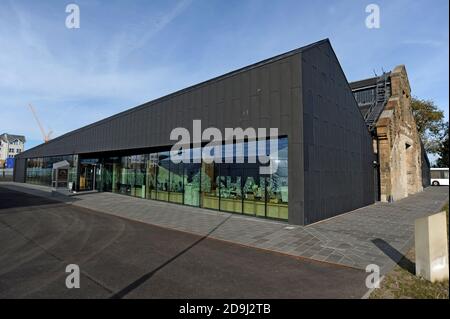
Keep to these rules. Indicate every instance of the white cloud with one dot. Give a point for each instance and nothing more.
(132, 39)
(37, 66)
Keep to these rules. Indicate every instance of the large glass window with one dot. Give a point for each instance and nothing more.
(163, 176)
(116, 174)
(126, 177)
(230, 187)
(210, 185)
(235, 185)
(254, 190)
(192, 179)
(176, 188)
(254, 185)
(46, 172)
(277, 182)
(39, 170)
(152, 169)
(105, 183)
(136, 170)
(72, 173)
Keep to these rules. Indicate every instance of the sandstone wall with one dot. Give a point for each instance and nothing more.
(400, 153)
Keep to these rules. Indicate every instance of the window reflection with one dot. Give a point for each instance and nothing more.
(192, 180)
(210, 185)
(230, 188)
(176, 188)
(254, 190)
(39, 170)
(277, 183)
(163, 174)
(152, 169)
(235, 185)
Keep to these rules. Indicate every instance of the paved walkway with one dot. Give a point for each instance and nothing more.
(377, 234)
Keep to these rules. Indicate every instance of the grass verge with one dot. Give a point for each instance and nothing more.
(401, 282)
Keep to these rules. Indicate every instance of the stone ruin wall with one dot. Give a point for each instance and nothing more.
(399, 142)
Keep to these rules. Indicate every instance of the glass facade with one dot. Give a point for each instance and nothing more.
(152, 169)
(39, 170)
(192, 179)
(162, 176)
(235, 185)
(209, 186)
(132, 176)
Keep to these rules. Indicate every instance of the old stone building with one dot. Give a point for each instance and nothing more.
(401, 165)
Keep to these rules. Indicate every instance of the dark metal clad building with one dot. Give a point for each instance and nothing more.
(325, 149)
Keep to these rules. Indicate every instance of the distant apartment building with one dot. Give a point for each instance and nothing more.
(10, 146)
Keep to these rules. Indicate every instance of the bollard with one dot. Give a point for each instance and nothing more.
(431, 246)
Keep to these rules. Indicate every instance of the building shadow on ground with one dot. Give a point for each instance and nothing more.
(395, 255)
(15, 199)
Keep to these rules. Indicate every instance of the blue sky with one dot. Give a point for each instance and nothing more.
(129, 52)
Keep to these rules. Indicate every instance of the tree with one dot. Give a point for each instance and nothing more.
(443, 160)
(430, 123)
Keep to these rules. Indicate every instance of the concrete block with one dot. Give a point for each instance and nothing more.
(431, 245)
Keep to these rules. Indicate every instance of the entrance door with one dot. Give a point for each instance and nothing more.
(88, 174)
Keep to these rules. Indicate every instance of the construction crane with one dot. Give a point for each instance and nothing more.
(46, 136)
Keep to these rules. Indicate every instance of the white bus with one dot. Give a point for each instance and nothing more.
(439, 176)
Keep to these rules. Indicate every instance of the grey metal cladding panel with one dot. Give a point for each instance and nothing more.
(150, 128)
(296, 134)
(196, 103)
(190, 102)
(285, 88)
(217, 117)
(209, 116)
(337, 146)
(139, 133)
(169, 117)
(228, 116)
(254, 105)
(146, 127)
(242, 100)
(204, 97)
(296, 150)
(295, 75)
(113, 127)
(209, 112)
(180, 106)
(263, 86)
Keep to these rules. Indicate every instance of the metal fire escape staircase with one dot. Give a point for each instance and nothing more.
(381, 97)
